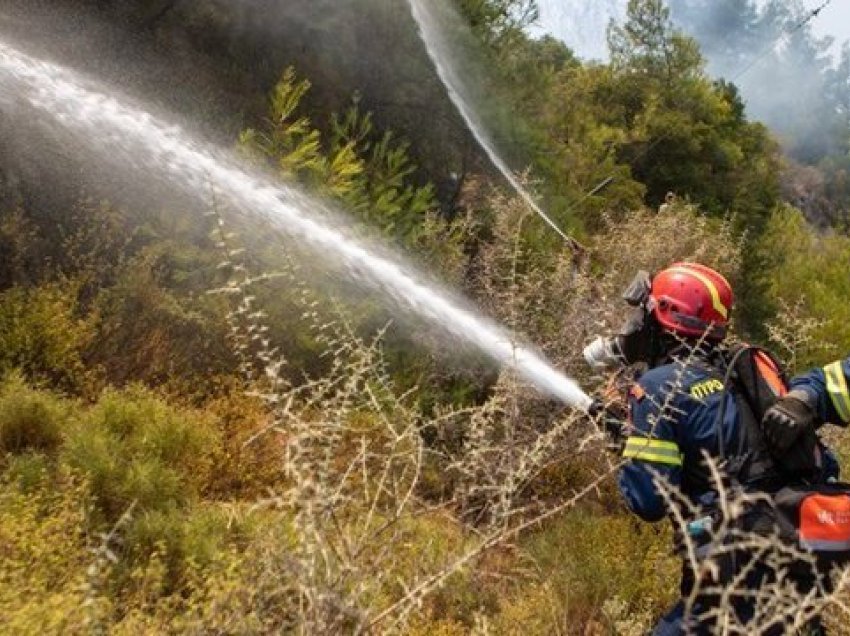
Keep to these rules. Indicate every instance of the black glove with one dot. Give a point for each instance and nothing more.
(803, 460)
(786, 421)
(609, 421)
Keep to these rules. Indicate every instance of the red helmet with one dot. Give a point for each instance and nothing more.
(691, 300)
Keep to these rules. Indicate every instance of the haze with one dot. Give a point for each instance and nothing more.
(582, 23)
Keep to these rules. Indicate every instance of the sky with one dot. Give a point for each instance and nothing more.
(834, 20)
(581, 23)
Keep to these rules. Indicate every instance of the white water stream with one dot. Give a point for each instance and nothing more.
(424, 13)
(116, 129)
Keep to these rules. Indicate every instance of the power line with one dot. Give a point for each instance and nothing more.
(811, 15)
(782, 36)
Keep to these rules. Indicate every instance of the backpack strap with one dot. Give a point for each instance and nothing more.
(751, 464)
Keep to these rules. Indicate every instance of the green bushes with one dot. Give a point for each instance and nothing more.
(807, 271)
(166, 572)
(583, 572)
(133, 447)
(147, 332)
(41, 335)
(43, 559)
(181, 541)
(369, 172)
(29, 419)
(590, 559)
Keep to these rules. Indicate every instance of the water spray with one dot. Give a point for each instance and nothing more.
(436, 46)
(118, 130)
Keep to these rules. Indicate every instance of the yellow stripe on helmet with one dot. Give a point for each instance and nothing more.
(718, 305)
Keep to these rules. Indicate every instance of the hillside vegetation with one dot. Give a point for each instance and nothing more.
(200, 433)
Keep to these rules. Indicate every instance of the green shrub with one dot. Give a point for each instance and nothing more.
(133, 447)
(43, 560)
(588, 559)
(151, 331)
(370, 172)
(42, 337)
(29, 470)
(252, 459)
(807, 270)
(29, 419)
(184, 541)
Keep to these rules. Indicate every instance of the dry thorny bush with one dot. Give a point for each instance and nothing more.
(585, 302)
(565, 301)
(353, 448)
(793, 331)
(353, 453)
(793, 589)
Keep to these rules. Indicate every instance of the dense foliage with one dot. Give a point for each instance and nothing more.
(792, 84)
(222, 438)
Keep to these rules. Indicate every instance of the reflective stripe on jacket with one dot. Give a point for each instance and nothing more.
(828, 388)
(673, 410)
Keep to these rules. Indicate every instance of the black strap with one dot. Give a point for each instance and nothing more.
(746, 460)
(721, 414)
(751, 464)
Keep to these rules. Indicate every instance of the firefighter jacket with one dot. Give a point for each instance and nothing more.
(673, 409)
(674, 413)
(827, 390)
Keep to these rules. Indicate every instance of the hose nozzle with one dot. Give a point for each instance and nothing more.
(611, 423)
(602, 353)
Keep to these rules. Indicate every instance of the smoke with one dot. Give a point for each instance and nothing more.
(784, 70)
(787, 80)
(127, 54)
(214, 62)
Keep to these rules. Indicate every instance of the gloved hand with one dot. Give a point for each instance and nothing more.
(803, 461)
(786, 421)
(602, 353)
(610, 422)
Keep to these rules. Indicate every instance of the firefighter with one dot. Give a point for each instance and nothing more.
(680, 409)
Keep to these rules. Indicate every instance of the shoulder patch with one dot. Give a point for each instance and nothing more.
(637, 392)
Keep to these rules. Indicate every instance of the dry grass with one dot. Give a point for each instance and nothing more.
(506, 520)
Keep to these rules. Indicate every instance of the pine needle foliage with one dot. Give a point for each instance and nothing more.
(370, 173)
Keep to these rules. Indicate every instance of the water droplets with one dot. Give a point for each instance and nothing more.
(127, 134)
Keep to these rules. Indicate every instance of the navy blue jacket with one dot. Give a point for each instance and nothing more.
(673, 409)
